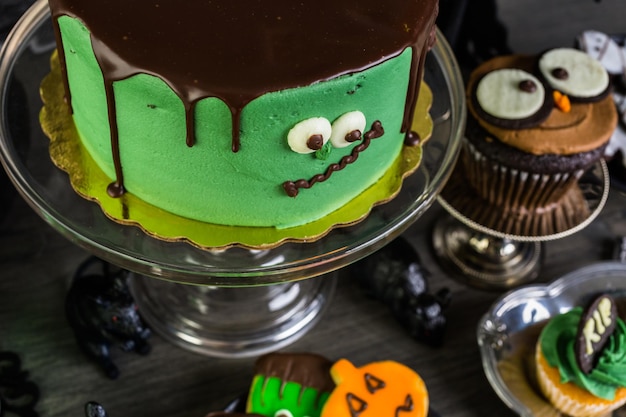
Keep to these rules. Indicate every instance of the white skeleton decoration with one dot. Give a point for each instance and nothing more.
(612, 56)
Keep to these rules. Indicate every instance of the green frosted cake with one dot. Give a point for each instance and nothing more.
(246, 114)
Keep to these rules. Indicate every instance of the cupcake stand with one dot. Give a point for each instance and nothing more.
(490, 256)
(232, 302)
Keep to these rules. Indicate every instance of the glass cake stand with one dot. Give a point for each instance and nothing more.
(214, 302)
(488, 258)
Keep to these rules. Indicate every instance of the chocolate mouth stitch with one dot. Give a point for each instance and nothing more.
(376, 131)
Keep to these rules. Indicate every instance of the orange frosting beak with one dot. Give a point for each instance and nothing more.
(561, 101)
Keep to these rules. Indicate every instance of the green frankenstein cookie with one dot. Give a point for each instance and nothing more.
(290, 385)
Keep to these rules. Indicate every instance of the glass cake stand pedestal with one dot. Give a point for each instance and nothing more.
(492, 258)
(231, 302)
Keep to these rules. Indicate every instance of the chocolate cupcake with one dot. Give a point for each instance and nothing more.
(535, 125)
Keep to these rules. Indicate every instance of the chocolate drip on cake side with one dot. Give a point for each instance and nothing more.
(115, 189)
(61, 56)
(417, 73)
(238, 51)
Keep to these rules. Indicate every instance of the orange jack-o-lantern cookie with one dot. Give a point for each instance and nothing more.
(378, 389)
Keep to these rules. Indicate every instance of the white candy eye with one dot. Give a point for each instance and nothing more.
(510, 94)
(309, 135)
(347, 129)
(574, 73)
(283, 413)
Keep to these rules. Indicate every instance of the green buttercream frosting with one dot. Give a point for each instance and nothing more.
(324, 153)
(271, 394)
(557, 344)
(208, 181)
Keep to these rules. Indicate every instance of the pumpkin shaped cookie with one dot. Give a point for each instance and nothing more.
(378, 389)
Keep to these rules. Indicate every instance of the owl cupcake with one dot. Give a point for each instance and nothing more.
(535, 125)
(581, 360)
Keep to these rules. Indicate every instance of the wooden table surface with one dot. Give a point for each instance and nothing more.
(36, 264)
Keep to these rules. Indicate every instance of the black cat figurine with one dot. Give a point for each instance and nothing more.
(18, 395)
(395, 276)
(102, 312)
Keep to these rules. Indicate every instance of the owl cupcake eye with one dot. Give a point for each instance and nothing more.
(347, 129)
(309, 135)
(574, 73)
(510, 94)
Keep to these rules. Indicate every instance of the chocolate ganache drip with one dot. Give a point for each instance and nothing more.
(238, 51)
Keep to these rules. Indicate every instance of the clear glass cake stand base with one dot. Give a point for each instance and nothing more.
(233, 302)
(487, 258)
(232, 322)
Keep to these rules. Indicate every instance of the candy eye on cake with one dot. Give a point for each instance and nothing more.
(575, 74)
(512, 98)
(292, 187)
(309, 135)
(312, 135)
(347, 129)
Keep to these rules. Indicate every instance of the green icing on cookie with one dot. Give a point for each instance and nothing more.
(271, 394)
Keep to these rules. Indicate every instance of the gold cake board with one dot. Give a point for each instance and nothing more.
(89, 181)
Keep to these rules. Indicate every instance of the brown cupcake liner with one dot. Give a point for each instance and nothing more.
(513, 189)
(567, 213)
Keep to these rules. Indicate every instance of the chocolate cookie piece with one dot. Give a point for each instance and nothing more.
(597, 324)
(521, 123)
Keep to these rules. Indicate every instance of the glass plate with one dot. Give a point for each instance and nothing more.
(507, 333)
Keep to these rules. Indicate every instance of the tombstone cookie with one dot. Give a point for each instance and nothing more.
(580, 359)
(596, 326)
